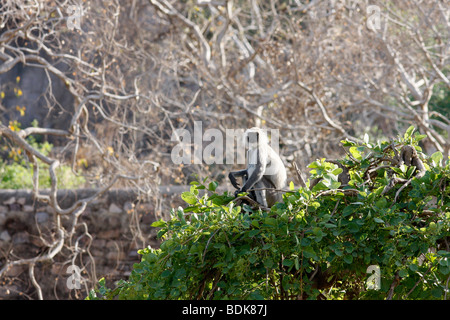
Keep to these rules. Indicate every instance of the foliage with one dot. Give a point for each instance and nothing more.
(317, 244)
(16, 173)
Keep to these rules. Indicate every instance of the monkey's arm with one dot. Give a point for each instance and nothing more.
(255, 172)
(232, 176)
(255, 176)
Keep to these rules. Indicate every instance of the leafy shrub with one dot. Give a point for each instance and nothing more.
(17, 173)
(317, 244)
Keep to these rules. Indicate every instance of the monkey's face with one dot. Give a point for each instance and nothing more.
(251, 139)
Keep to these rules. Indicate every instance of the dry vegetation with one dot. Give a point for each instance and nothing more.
(114, 90)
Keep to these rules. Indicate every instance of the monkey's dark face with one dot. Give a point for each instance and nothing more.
(252, 139)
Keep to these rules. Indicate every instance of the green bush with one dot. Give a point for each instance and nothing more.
(17, 173)
(317, 244)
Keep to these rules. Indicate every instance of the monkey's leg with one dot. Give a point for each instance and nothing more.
(272, 195)
(251, 194)
(260, 194)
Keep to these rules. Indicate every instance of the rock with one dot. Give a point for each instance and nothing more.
(2, 219)
(109, 234)
(21, 237)
(4, 236)
(115, 255)
(113, 208)
(133, 254)
(98, 243)
(28, 208)
(113, 222)
(42, 217)
(10, 201)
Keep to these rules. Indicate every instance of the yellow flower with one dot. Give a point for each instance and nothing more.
(14, 125)
(82, 162)
(21, 110)
(110, 150)
(18, 92)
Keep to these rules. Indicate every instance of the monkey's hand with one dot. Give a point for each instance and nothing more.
(233, 181)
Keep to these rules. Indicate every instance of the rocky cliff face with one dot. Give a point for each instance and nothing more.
(34, 84)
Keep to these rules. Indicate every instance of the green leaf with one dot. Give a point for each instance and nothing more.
(212, 186)
(348, 210)
(347, 143)
(314, 165)
(337, 171)
(159, 224)
(191, 209)
(355, 153)
(166, 273)
(189, 197)
(219, 265)
(305, 242)
(320, 186)
(418, 137)
(437, 292)
(256, 295)
(310, 253)
(399, 170)
(253, 258)
(297, 263)
(253, 233)
(268, 263)
(288, 263)
(348, 259)
(353, 227)
(270, 221)
(444, 270)
(378, 220)
(445, 262)
(436, 158)
(381, 203)
(335, 185)
(403, 273)
(255, 223)
(409, 132)
(414, 267)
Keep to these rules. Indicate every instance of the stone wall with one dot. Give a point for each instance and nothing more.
(111, 230)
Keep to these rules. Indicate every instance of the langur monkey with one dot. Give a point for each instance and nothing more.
(265, 170)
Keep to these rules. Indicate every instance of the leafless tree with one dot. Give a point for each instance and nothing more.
(132, 72)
